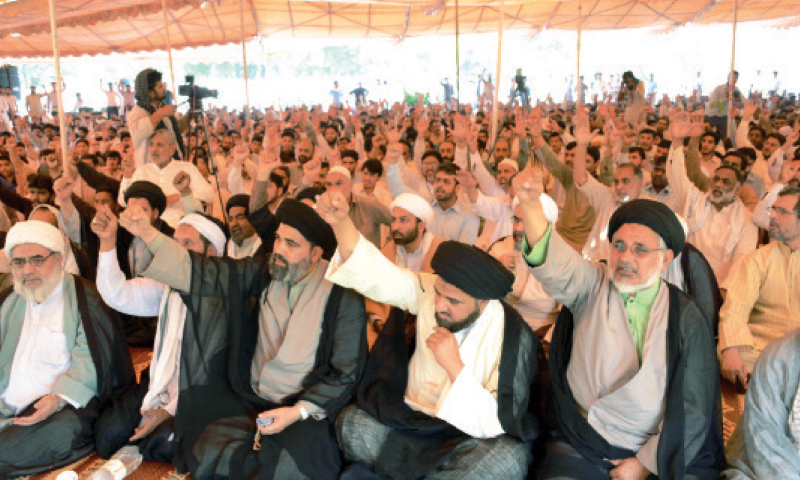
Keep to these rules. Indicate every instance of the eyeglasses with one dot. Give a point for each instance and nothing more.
(636, 249)
(36, 261)
(781, 211)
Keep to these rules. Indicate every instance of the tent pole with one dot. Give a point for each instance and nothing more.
(731, 85)
(62, 119)
(169, 46)
(458, 62)
(495, 110)
(578, 83)
(244, 60)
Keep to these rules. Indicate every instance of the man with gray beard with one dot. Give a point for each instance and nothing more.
(271, 352)
(62, 357)
(632, 361)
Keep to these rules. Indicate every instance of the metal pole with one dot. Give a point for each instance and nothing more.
(495, 110)
(458, 62)
(62, 119)
(731, 84)
(244, 59)
(169, 46)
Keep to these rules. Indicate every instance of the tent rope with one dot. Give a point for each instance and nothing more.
(62, 119)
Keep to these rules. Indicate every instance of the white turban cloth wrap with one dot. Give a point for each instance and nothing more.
(342, 170)
(510, 163)
(207, 229)
(416, 205)
(37, 232)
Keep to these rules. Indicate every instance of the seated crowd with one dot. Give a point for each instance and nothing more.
(393, 291)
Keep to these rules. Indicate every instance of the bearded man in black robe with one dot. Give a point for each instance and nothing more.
(265, 340)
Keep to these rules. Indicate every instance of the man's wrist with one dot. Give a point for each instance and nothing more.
(60, 402)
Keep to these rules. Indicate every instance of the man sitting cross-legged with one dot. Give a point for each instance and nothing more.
(465, 404)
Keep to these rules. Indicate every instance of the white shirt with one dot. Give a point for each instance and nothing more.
(142, 297)
(163, 177)
(247, 249)
(42, 354)
(11, 100)
(712, 238)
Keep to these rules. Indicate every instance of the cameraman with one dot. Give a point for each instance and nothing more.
(151, 113)
(631, 94)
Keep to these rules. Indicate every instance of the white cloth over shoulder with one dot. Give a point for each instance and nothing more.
(469, 403)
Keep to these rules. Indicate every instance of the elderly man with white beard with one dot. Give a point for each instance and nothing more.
(62, 357)
(632, 361)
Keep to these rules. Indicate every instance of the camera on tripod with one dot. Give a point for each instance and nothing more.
(196, 94)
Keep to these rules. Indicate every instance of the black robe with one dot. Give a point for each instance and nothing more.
(219, 340)
(689, 342)
(418, 442)
(40, 448)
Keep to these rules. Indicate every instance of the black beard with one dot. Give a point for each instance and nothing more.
(287, 156)
(458, 326)
(481, 144)
(407, 238)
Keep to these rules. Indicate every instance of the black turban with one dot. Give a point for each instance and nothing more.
(310, 193)
(239, 200)
(307, 221)
(472, 270)
(654, 215)
(150, 192)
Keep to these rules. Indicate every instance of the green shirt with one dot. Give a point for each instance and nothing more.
(637, 307)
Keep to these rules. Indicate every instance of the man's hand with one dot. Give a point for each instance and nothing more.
(241, 152)
(444, 346)
(134, 220)
(105, 227)
(45, 407)
(628, 469)
(469, 185)
(750, 108)
(63, 188)
(281, 419)
(733, 367)
(167, 110)
(394, 135)
(529, 185)
(394, 153)
(182, 183)
(679, 125)
(151, 419)
(333, 207)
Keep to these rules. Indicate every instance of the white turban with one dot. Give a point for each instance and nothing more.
(510, 163)
(415, 205)
(38, 232)
(548, 205)
(342, 170)
(51, 209)
(207, 229)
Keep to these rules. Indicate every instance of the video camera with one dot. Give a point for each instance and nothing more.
(195, 93)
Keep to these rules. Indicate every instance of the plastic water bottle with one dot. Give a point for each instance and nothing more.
(122, 464)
